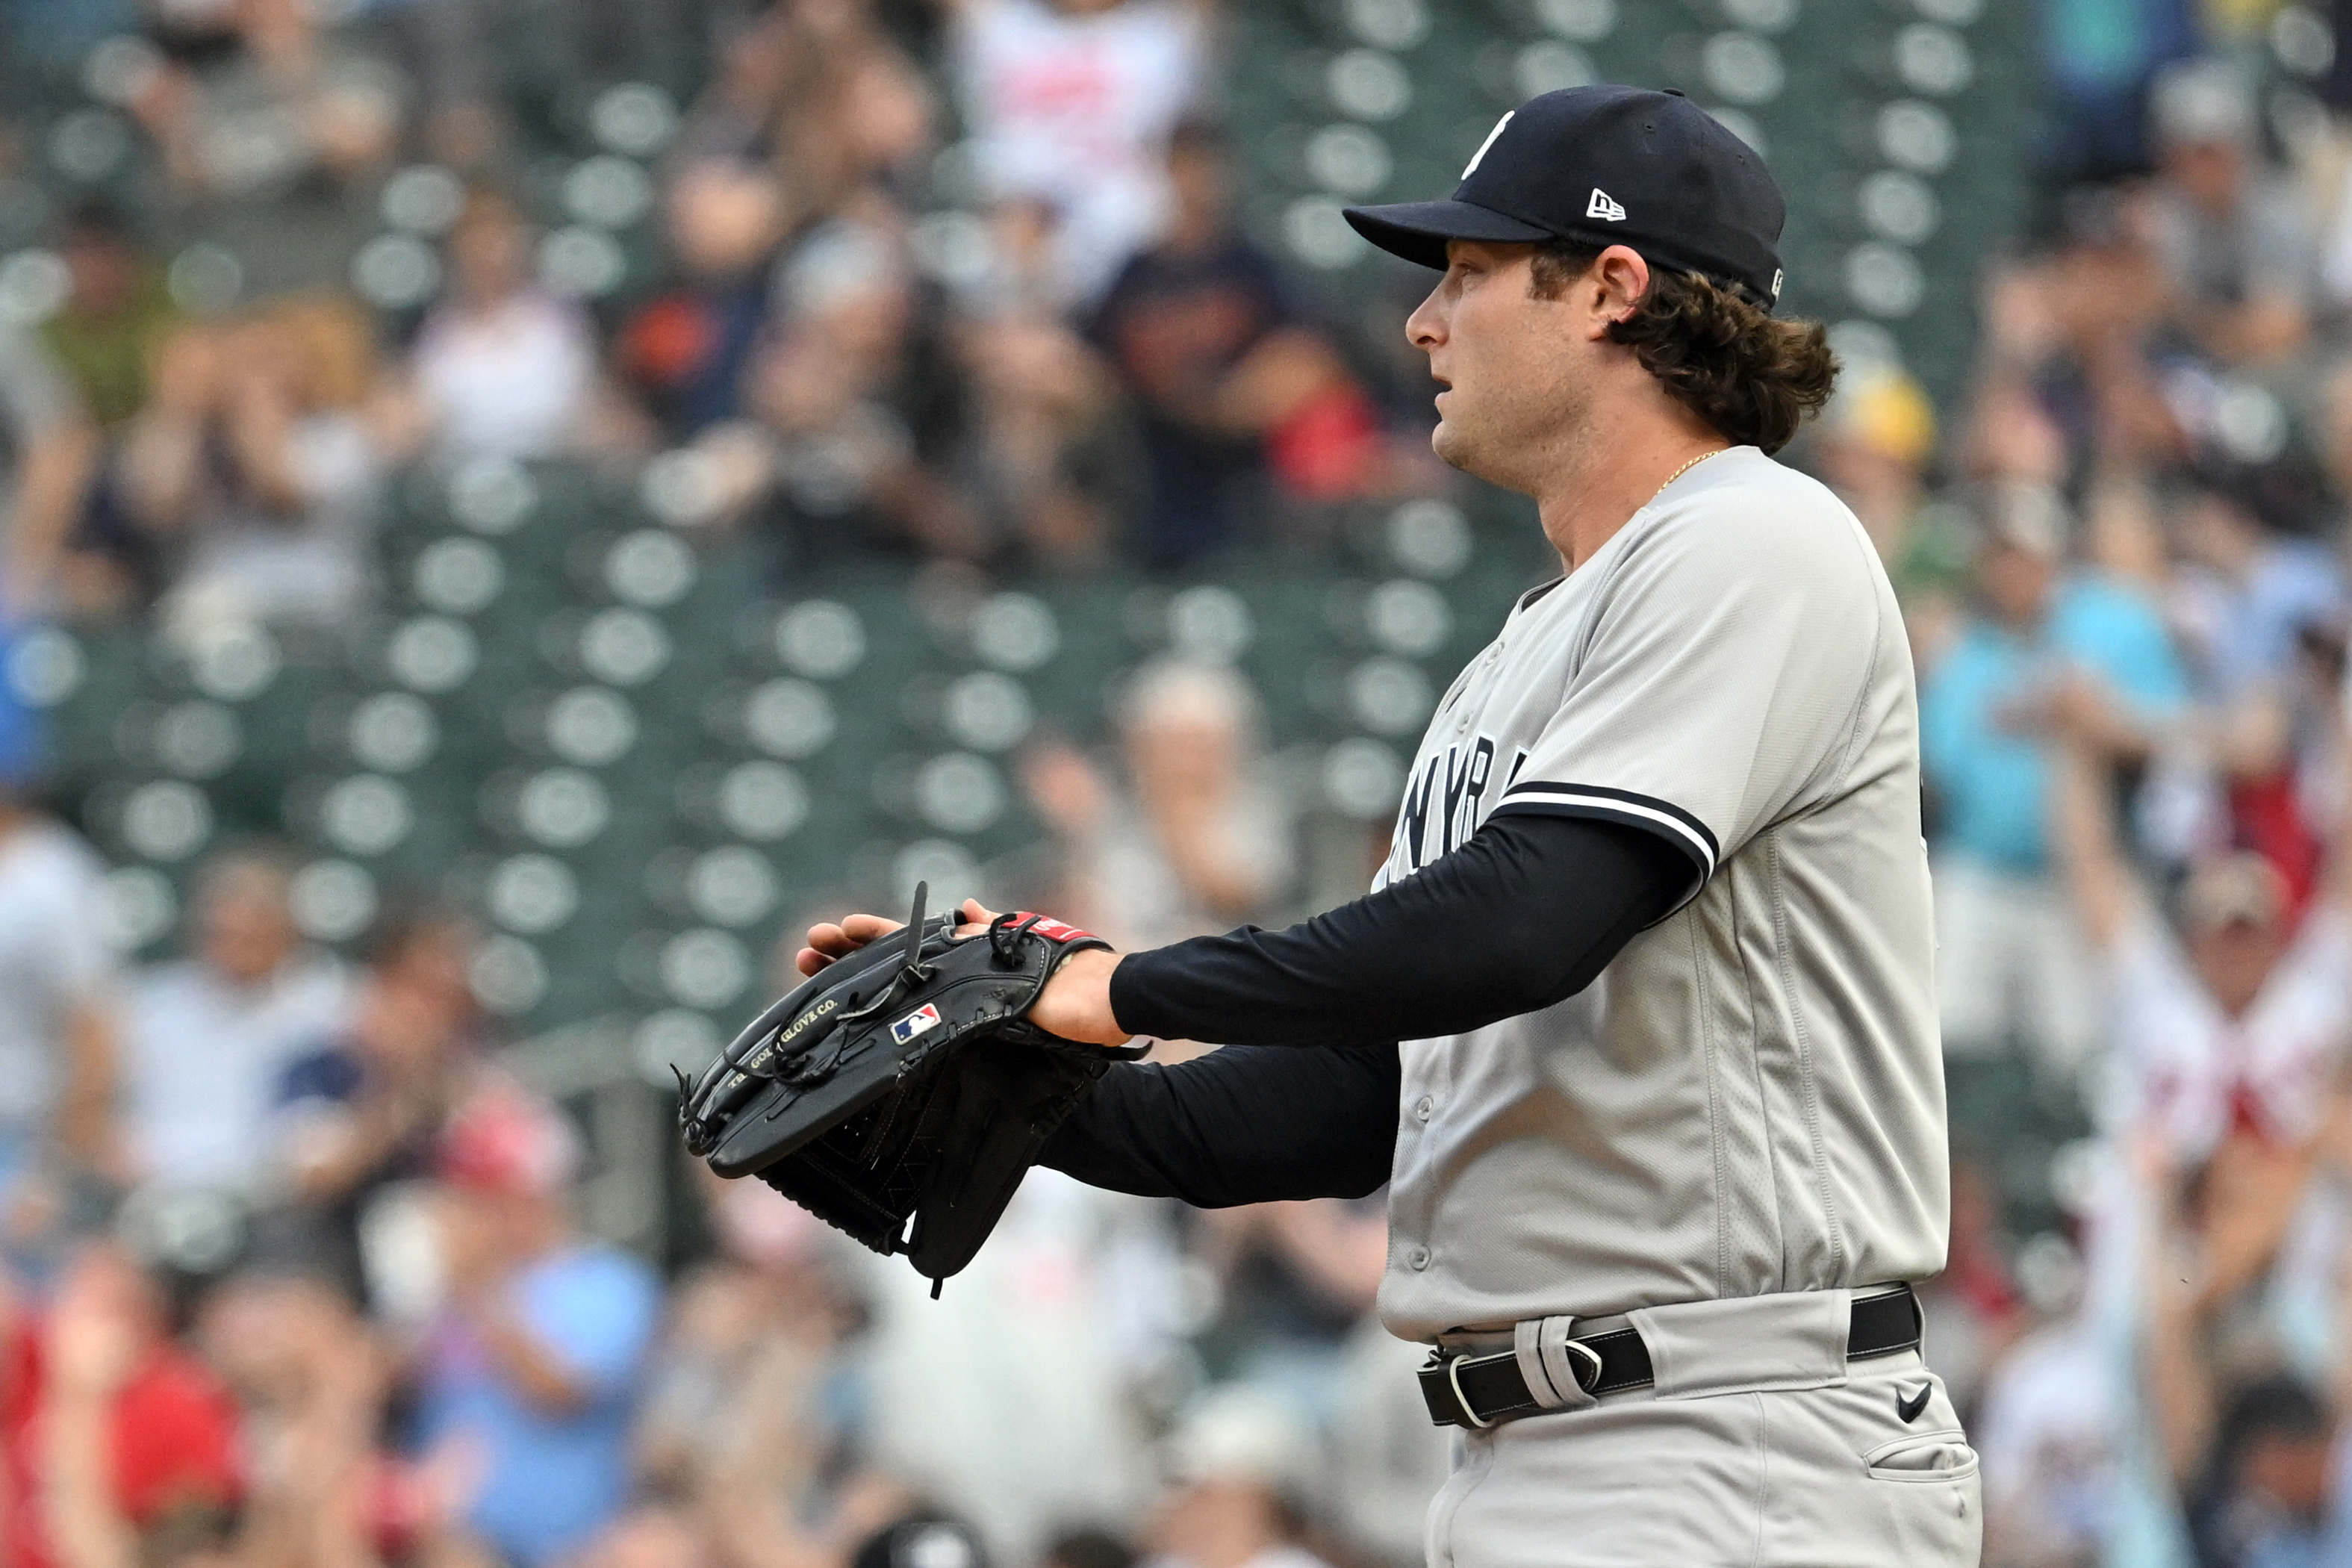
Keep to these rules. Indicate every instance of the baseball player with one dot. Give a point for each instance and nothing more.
(1638, 1022)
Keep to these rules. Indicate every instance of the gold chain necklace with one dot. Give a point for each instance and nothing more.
(1685, 469)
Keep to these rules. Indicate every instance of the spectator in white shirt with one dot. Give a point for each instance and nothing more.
(2233, 235)
(210, 1035)
(2228, 1040)
(2237, 1024)
(1071, 103)
(501, 368)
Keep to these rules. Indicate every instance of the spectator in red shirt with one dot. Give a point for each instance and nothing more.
(117, 1437)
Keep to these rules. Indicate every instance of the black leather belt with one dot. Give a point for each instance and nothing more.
(1482, 1390)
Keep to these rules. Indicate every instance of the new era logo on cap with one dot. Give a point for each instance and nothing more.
(921, 1021)
(1602, 206)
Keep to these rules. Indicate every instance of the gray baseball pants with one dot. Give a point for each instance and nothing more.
(1761, 1447)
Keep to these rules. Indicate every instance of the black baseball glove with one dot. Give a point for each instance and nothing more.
(903, 1083)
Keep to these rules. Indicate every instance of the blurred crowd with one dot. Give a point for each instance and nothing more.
(294, 1260)
(296, 1272)
(325, 256)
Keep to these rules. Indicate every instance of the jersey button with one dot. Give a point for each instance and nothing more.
(1418, 1258)
(1423, 1106)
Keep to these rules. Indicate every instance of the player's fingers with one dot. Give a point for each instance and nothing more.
(808, 961)
(976, 918)
(862, 928)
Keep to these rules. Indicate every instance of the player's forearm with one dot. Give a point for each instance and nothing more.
(1522, 916)
(1242, 1125)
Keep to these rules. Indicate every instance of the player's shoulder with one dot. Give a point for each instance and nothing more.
(1754, 534)
(1744, 507)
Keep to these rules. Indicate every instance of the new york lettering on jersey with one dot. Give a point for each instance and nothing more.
(1466, 774)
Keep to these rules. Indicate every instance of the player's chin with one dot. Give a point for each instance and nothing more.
(1451, 444)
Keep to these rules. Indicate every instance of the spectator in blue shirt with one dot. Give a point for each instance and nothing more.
(2010, 964)
(532, 1365)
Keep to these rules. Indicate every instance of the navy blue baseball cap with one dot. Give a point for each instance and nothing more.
(1607, 166)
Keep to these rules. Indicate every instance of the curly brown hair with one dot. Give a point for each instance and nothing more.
(1751, 377)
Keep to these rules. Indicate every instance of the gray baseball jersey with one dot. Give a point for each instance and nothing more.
(1749, 1098)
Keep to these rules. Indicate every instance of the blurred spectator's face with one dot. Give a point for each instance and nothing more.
(1184, 749)
(187, 370)
(2208, 172)
(265, 359)
(2234, 957)
(2016, 582)
(1029, 361)
(488, 1233)
(104, 1283)
(2015, 440)
(244, 930)
(1198, 176)
(476, 1240)
(1022, 231)
(435, 964)
(266, 23)
(1854, 467)
(797, 385)
(2107, 288)
(648, 1538)
(2290, 1471)
(105, 272)
(424, 998)
(271, 1336)
(1218, 1519)
(889, 113)
(725, 218)
(489, 251)
(866, 325)
(2215, 533)
(1066, 792)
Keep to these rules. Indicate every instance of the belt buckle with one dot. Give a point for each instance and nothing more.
(1461, 1400)
(1586, 1365)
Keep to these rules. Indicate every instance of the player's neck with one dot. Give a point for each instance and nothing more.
(1601, 481)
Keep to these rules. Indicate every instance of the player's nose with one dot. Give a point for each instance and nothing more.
(1425, 328)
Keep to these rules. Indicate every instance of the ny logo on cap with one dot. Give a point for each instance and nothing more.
(1471, 167)
(1604, 206)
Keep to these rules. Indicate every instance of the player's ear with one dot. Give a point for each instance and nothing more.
(1619, 278)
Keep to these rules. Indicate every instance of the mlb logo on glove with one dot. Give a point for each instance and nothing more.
(921, 1021)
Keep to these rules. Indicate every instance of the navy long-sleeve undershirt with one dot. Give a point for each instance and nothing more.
(1303, 1100)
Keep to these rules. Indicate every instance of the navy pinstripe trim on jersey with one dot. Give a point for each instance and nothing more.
(1665, 818)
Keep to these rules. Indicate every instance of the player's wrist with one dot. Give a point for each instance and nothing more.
(1076, 1003)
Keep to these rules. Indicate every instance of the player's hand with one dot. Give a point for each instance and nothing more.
(1075, 1004)
(830, 939)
